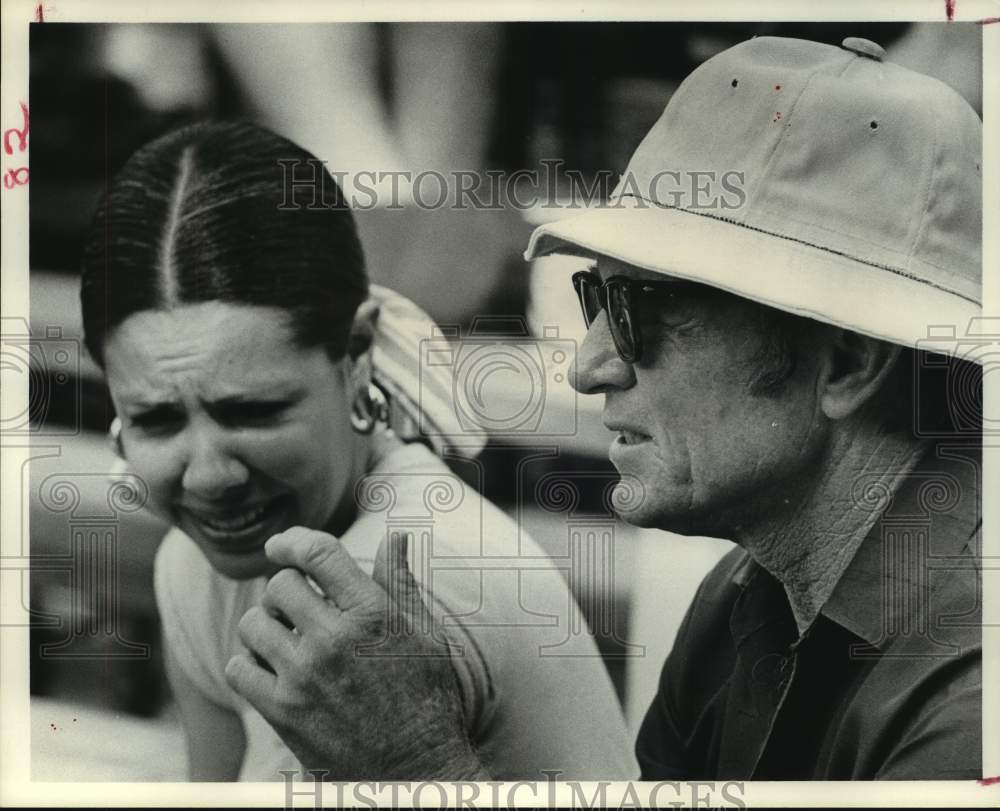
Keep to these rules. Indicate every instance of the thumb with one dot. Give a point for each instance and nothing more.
(392, 573)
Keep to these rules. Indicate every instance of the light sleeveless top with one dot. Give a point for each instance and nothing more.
(536, 693)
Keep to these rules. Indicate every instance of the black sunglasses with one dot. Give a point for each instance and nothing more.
(620, 297)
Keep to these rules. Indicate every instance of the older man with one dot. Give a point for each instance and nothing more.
(757, 335)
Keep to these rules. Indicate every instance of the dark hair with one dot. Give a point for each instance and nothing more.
(209, 212)
(783, 337)
(925, 394)
(932, 396)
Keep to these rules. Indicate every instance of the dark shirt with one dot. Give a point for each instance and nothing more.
(885, 684)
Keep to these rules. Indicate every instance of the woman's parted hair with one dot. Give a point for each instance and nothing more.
(210, 212)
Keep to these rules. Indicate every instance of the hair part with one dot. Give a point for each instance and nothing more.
(208, 213)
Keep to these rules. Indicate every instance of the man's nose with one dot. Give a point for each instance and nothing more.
(213, 471)
(598, 366)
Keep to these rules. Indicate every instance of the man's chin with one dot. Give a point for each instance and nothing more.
(636, 518)
(678, 520)
(673, 525)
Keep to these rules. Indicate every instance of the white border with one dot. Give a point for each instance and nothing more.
(15, 785)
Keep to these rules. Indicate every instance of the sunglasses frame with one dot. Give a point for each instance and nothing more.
(630, 293)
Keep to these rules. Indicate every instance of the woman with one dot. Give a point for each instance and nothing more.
(247, 360)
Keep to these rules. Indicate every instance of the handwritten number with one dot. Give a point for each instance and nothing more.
(16, 177)
(20, 134)
(19, 137)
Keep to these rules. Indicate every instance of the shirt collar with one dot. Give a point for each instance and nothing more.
(933, 514)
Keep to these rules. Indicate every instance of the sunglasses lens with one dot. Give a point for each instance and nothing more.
(621, 322)
(588, 290)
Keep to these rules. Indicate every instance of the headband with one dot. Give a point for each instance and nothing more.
(422, 395)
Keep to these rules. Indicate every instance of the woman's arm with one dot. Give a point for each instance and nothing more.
(216, 742)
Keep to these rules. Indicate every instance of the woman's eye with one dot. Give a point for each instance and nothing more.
(254, 413)
(157, 422)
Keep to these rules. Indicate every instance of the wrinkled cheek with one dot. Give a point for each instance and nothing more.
(314, 482)
(161, 499)
(160, 507)
(286, 460)
(159, 480)
(672, 455)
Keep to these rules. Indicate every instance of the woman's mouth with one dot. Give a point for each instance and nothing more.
(243, 526)
(235, 524)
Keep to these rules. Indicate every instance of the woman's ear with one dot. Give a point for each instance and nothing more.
(359, 346)
(855, 369)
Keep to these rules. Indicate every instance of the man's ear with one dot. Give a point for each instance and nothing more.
(856, 367)
(359, 346)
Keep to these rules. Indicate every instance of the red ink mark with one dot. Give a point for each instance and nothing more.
(777, 87)
(949, 9)
(989, 781)
(18, 176)
(15, 177)
(22, 134)
(39, 15)
(988, 21)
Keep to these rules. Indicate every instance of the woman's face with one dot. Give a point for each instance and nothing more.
(238, 432)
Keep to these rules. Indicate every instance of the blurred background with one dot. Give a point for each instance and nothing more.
(471, 97)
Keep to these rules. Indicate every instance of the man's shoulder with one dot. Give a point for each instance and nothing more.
(705, 629)
(724, 581)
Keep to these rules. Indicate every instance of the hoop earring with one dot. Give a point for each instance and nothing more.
(115, 438)
(119, 467)
(370, 407)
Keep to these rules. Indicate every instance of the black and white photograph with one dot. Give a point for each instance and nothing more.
(446, 407)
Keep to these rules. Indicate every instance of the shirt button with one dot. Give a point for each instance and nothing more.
(864, 47)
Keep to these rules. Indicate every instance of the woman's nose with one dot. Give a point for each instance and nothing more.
(598, 366)
(212, 471)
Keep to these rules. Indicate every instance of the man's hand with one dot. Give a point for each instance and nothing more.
(357, 686)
